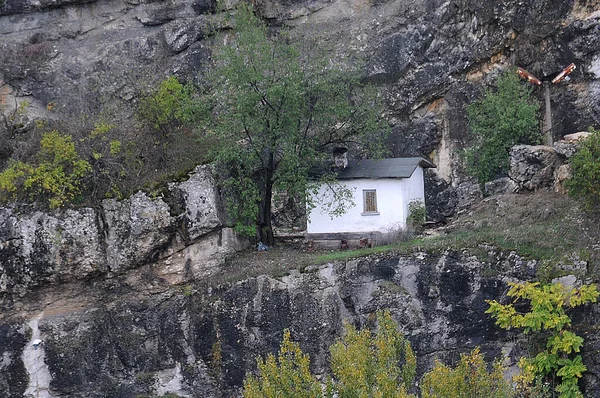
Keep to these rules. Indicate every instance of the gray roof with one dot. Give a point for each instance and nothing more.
(382, 168)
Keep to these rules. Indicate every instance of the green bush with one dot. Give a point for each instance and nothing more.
(286, 376)
(416, 214)
(470, 378)
(585, 171)
(560, 359)
(379, 365)
(498, 121)
(57, 177)
(363, 365)
(168, 106)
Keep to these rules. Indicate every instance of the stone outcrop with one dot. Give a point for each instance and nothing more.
(540, 167)
(499, 186)
(115, 339)
(561, 176)
(532, 167)
(38, 249)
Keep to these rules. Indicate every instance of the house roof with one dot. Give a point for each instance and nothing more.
(382, 168)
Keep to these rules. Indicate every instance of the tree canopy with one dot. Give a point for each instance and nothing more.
(498, 121)
(276, 112)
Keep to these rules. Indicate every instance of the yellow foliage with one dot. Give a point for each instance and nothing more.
(56, 179)
(548, 304)
(470, 378)
(367, 366)
(287, 376)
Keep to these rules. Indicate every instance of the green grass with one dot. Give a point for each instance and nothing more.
(544, 226)
(334, 256)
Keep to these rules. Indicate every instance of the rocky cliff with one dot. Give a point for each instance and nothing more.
(135, 298)
(430, 58)
(122, 295)
(130, 336)
(138, 244)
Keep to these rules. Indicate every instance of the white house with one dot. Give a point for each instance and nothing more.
(382, 190)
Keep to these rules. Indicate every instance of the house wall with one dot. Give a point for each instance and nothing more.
(393, 197)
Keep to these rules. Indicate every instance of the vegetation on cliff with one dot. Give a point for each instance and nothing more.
(585, 169)
(384, 365)
(498, 121)
(470, 377)
(558, 364)
(377, 365)
(363, 365)
(56, 178)
(276, 112)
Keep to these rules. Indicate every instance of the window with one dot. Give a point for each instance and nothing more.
(370, 202)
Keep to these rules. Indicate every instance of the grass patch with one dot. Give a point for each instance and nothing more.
(543, 226)
(333, 256)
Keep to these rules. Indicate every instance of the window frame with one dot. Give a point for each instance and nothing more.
(366, 212)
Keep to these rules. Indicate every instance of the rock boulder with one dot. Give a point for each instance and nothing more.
(532, 167)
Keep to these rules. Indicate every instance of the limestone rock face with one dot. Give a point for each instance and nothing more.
(137, 228)
(199, 199)
(565, 149)
(440, 198)
(185, 237)
(39, 248)
(577, 137)
(561, 176)
(570, 144)
(499, 186)
(13, 374)
(200, 342)
(532, 167)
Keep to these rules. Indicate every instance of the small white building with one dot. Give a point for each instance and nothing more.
(382, 190)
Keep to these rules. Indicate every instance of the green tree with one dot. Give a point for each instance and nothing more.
(275, 112)
(498, 121)
(383, 365)
(168, 106)
(56, 178)
(585, 171)
(547, 313)
(287, 376)
(470, 378)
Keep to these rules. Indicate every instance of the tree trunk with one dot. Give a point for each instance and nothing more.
(265, 228)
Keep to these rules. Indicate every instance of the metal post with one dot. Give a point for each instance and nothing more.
(548, 115)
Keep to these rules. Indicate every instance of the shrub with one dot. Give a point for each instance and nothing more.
(498, 121)
(470, 378)
(56, 179)
(416, 214)
(380, 365)
(168, 106)
(585, 171)
(363, 365)
(547, 313)
(286, 376)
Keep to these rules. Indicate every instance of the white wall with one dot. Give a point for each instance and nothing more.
(393, 197)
